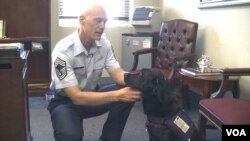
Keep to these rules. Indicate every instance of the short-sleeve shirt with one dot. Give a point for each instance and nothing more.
(73, 65)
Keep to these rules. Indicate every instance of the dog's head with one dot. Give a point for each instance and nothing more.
(145, 80)
(158, 96)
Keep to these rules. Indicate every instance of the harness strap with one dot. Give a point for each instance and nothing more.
(160, 125)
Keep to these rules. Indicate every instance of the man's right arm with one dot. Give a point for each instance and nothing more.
(88, 98)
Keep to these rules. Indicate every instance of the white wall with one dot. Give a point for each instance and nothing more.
(113, 32)
(223, 33)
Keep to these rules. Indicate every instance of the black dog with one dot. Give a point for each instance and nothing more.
(161, 104)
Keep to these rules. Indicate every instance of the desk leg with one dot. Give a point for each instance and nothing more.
(207, 89)
(202, 127)
(183, 89)
(202, 121)
(236, 89)
(185, 97)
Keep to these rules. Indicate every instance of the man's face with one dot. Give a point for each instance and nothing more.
(93, 23)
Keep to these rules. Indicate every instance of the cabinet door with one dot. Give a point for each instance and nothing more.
(14, 112)
(131, 44)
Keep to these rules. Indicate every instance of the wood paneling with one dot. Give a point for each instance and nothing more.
(26, 17)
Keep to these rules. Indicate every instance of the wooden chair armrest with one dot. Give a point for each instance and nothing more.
(175, 59)
(141, 52)
(144, 51)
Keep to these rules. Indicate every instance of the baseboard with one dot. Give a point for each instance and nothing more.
(35, 90)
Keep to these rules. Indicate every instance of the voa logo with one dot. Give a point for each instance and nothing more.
(239, 132)
(236, 132)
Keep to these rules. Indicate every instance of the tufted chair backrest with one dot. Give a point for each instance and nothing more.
(176, 37)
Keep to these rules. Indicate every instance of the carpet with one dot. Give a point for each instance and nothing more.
(41, 127)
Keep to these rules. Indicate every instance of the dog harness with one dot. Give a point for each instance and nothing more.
(179, 123)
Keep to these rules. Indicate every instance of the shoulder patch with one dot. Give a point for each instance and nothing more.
(60, 67)
(113, 51)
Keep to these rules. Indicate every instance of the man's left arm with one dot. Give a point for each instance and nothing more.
(118, 76)
(112, 65)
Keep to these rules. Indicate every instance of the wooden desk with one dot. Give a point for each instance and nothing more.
(14, 106)
(205, 85)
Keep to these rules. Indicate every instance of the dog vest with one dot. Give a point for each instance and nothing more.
(180, 124)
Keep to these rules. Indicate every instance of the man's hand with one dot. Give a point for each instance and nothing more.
(129, 94)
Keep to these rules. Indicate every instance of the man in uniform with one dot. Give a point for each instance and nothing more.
(77, 63)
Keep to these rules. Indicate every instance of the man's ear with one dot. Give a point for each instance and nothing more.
(81, 19)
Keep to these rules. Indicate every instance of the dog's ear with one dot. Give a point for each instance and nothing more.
(159, 87)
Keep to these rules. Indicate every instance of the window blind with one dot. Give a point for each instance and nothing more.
(116, 9)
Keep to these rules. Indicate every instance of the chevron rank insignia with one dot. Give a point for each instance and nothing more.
(60, 67)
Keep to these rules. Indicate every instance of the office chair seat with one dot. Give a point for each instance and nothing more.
(224, 111)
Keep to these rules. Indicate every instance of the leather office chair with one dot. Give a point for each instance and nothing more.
(224, 111)
(175, 49)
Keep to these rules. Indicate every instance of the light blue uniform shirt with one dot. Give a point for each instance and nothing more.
(72, 65)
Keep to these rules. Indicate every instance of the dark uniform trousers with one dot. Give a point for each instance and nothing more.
(67, 118)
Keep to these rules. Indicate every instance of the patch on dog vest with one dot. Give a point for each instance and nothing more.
(60, 67)
(178, 121)
(181, 125)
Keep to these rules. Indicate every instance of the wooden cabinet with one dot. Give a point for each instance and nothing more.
(29, 21)
(38, 63)
(14, 107)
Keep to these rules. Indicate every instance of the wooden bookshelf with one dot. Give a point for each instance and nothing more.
(28, 21)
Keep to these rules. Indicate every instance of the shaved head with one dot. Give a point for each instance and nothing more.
(92, 21)
(87, 6)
